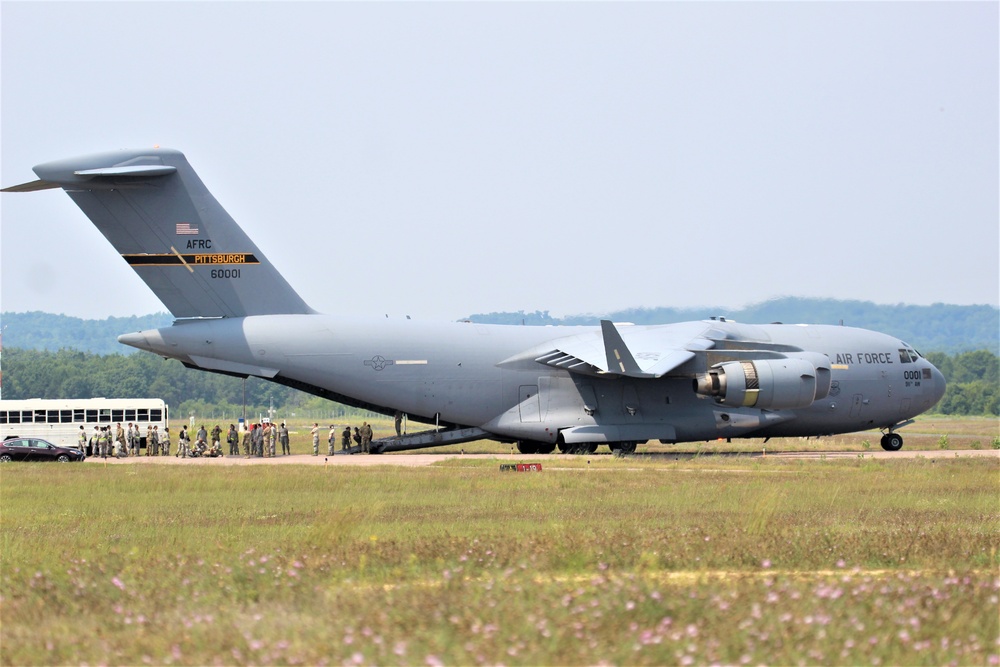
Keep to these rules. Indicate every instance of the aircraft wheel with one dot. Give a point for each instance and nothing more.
(546, 447)
(590, 448)
(892, 442)
(626, 447)
(527, 447)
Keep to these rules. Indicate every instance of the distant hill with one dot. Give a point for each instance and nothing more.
(44, 331)
(938, 327)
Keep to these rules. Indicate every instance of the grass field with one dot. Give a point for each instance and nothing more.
(620, 561)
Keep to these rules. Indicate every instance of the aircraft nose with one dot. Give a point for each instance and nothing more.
(939, 384)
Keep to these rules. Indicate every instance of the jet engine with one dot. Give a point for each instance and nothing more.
(771, 384)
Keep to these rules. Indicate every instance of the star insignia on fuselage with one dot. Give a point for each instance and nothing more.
(378, 362)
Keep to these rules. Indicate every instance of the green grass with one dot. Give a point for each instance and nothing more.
(617, 560)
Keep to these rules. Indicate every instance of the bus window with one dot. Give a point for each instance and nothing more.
(130, 415)
(25, 416)
(105, 415)
(39, 416)
(65, 416)
(3, 416)
(91, 416)
(13, 417)
(52, 417)
(143, 415)
(154, 415)
(116, 415)
(78, 415)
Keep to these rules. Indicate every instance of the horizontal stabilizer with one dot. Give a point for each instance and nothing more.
(33, 186)
(137, 170)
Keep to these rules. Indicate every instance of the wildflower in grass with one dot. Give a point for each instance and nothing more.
(766, 563)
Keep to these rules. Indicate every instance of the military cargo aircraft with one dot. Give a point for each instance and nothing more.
(574, 388)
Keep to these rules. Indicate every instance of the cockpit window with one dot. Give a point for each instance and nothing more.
(907, 355)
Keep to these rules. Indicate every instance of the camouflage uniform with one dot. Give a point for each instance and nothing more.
(315, 435)
(246, 444)
(345, 438)
(366, 438)
(165, 441)
(331, 440)
(233, 438)
(265, 441)
(283, 436)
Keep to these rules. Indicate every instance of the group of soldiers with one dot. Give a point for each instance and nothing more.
(361, 437)
(122, 442)
(260, 440)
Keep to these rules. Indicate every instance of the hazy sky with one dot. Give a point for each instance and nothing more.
(441, 159)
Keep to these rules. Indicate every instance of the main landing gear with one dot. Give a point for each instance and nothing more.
(892, 442)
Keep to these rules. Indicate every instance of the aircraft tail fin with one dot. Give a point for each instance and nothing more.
(155, 210)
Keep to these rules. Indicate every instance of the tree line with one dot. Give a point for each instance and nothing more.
(973, 384)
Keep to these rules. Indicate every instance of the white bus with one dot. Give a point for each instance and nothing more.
(59, 420)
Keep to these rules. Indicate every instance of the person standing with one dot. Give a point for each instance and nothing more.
(133, 438)
(345, 438)
(315, 436)
(149, 440)
(274, 440)
(81, 440)
(121, 449)
(233, 439)
(399, 421)
(331, 440)
(156, 441)
(182, 443)
(165, 441)
(102, 442)
(247, 441)
(283, 436)
(366, 438)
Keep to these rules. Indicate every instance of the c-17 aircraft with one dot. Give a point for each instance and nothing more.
(574, 388)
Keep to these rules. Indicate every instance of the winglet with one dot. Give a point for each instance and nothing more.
(620, 360)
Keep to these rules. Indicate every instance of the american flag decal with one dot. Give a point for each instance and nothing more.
(185, 228)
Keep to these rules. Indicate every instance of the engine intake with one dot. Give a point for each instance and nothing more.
(774, 384)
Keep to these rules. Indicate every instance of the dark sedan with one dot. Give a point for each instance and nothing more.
(35, 449)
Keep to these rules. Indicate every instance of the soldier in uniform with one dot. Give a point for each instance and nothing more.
(274, 439)
(95, 442)
(149, 441)
(331, 440)
(265, 440)
(165, 440)
(216, 435)
(121, 449)
(315, 436)
(156, 441)
(102, 442)
(82, 440)
(357, 436)
(246, 443)
(345, 438)
(233, 438)
(283, 436)
(366, 438)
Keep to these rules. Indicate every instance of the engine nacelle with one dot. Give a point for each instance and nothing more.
(771, 384)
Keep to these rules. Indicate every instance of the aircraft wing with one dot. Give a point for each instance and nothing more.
(638, 352)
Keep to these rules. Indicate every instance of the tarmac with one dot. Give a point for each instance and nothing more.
(416, 460)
